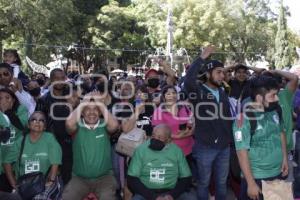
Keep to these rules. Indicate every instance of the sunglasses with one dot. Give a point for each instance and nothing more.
(6, 74)
(37, 120)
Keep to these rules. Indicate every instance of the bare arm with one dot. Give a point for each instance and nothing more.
(253, 190)
(284, 167)
(292, 79)
(129, 124)
(183, 134)
(256, 70)
(166, 68)
(53, 172)
(245, 166)
(111, 122)
(10, 175)
(73, 119)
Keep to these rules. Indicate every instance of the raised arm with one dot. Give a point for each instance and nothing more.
(292, 79)
(128, 124)
(166, 68)
(111, 122)
(73, 119)
(190, 81)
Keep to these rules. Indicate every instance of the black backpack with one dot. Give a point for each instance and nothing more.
(253, 121)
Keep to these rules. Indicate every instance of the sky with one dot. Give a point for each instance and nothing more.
(294, 8)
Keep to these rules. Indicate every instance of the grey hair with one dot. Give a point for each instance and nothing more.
(167, 129)
(37, 112)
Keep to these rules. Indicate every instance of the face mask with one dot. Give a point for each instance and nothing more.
(272, 106)
(153, 82)
(101, 87)
(41, 82)
(156, 144)
(35, 92)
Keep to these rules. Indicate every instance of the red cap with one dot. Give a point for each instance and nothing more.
(150, 72)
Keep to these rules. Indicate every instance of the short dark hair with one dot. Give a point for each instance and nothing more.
(15, 53)
(165, 90)
(261, 85)
(12, 94)
(35, 112)
(52, 73)
(7, 66)
(240, 66)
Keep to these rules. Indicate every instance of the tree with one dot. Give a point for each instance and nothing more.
(282, 48)
(115, 27)
(37, 22)
(236, 27)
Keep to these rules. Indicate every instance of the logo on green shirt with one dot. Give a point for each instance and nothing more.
(157, 175)
(11, 139)
(32, 166)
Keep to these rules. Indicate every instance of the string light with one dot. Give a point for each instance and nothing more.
(128, 50)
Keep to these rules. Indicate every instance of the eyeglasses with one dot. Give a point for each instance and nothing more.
(6, 74)
(37, 120)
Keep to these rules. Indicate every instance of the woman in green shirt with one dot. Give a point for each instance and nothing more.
(41, 153)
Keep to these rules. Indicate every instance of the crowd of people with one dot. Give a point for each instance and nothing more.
(218, 128)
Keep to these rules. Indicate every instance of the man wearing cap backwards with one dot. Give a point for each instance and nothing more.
(213, 124)
(261, 147)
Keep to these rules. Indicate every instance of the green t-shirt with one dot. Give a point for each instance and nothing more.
(159, 169)
(286, 100)
(16, 133)
(264, 152)
(37, 156)
(91, 152)
(4, 122)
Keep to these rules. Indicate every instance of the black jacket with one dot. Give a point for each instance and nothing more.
(216, 131)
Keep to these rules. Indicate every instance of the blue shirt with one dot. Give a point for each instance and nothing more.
(214, 92)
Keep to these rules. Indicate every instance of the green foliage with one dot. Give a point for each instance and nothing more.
(116, 27)
(282, 46)
(28, 22)
(244, 29)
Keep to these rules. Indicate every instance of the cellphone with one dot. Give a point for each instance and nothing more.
(182, 126)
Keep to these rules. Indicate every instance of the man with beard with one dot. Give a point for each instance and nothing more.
(213, 124)
(260, 140)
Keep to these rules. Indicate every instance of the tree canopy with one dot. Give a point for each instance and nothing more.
(241, 29)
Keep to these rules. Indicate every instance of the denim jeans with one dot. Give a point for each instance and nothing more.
(211, 160)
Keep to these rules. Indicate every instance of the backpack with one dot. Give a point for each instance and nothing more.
(253, 122)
